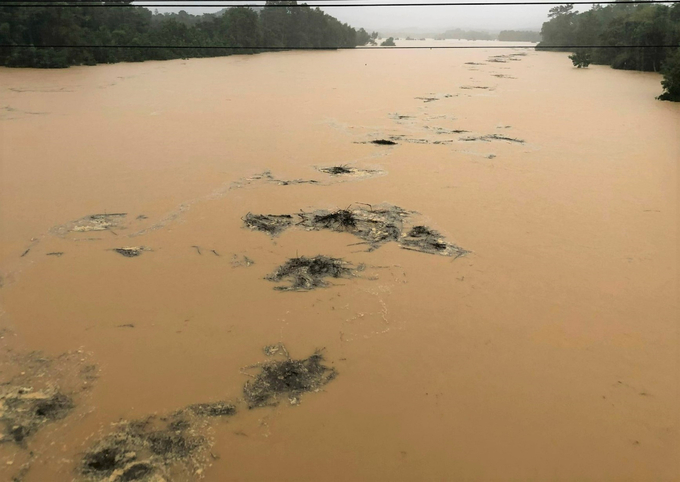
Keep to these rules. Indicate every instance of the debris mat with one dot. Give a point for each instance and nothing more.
(346, 171)
(154, 448)
(272, 224)
(288, 377)
(91, 223)
(268, 176)
(491, 137)
(24, 411)
(305, 274)
(131, 251)
(37, 391)
(426, 240)
(375, 226)
(243, 261)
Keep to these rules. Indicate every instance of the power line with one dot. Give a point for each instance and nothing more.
(437, 47)
(233, 4)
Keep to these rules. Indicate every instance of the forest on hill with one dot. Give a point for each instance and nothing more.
(38, 36)
(625, 36)
(519, 36)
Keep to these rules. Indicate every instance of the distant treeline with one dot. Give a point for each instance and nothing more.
(466, 35)
(107, 33)
(632, 38)
(505, 35)
(519, 36)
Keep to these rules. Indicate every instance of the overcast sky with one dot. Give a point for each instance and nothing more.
(424, 19)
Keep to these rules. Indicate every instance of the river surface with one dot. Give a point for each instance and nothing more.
(548, 352)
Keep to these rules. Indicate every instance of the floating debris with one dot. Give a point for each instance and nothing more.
(131, 251)
(415, 140)
(434, 97)
(427, 99)
(98, 222)
(475, 63)
(345, 170)
(273, 224)
(426, 240)
(152, 448)
(282, 182)
(503, 76)
(23, 411)
(268, 176)
(491, 137)
(305, 274)
(441, 130)
(506, 58)
(55, 253)
(138, 450)
(278, 349)
(289, 378)
(396, 116)
(243, 261)
(383, 142)
(375, 226)
(215, 409)
(337, 170)
(37, 392)
(482, 87)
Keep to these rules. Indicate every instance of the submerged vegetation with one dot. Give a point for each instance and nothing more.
(132, 34)
(626, 36)
(580, 59)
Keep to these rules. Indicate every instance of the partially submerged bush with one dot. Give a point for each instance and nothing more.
(581, 59)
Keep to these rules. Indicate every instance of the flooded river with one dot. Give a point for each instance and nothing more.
(548, 350)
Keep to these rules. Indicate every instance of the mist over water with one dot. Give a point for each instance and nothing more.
(414, 19)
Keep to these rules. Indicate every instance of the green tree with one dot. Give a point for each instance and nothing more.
(671, 78)
(123, 33)
(624, 36)
(580, 59)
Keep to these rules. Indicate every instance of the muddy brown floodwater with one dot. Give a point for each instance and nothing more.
(492, 294)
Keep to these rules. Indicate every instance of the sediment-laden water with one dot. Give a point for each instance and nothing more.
(489, 291)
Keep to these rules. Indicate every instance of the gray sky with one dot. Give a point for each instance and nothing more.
(418, 19)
